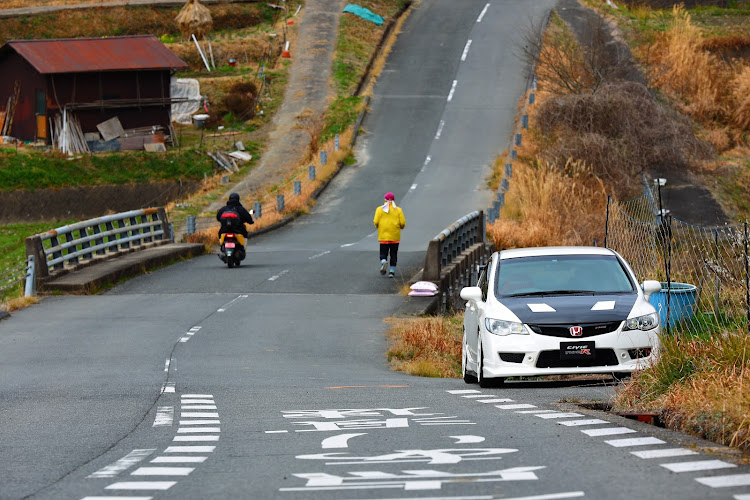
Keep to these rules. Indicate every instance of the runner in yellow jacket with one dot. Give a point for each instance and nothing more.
(390, 220)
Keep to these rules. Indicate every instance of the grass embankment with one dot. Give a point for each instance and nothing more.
(582, 147)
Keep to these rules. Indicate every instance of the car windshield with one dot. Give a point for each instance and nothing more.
(561, 274)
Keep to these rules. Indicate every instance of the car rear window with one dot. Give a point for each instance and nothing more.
(598, 274)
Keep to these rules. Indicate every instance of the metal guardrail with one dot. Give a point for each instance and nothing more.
(110, 235)
(454, 256)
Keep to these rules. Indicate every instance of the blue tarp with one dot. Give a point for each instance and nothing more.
(364, 13)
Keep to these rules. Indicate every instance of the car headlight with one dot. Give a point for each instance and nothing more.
(499, 327)
(647, 322)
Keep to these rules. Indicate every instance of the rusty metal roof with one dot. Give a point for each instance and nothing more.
(82, 55)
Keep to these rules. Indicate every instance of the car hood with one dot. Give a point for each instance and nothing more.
(559, 309)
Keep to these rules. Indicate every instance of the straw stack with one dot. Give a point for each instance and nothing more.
(194, 19)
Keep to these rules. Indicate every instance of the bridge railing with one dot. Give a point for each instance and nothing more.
(84, 242)
(453, 258)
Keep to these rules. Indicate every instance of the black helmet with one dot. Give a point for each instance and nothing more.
(234, 197)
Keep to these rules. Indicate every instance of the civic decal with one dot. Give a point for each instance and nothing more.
(540, 308)
(604, 305)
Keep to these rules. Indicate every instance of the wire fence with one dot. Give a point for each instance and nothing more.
(703, 270)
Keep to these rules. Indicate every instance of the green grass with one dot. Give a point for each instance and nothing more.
(37, 170)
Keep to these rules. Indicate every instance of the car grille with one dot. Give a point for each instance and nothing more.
(563, 331)
(551, 359)
(512, 357)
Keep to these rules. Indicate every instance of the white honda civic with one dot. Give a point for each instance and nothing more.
(557, 310)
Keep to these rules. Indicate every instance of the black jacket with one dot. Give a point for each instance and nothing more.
(235, 206)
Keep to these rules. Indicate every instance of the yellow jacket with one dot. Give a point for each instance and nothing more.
(389, 224)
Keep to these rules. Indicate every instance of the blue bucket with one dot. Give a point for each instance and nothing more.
(681, 302)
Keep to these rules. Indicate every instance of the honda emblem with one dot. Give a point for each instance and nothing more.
(576, 331)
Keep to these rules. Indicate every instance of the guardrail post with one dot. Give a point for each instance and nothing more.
(257, 209)
(509, 170)
(432, 261)
(514, 154)
(190, 225)
(525, 121)
(166, 226)
(518, 139)
(30, 289)
(311, 172)
(336, 142)
(280, 203)
(323, 157)
(297, 188)
(35, 248)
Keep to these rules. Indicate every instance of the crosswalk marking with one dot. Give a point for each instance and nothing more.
(198, 414)
(190, 449)
(559, 415)
(698, 466)
(608, 431)
(141, 485)
(195, 438)
(182, 430)
(496, 400)
(725, 481)
(464, 391)
(515, 406)
(620, 443)
(197, 407)
(162, 471)
(200, 422)
(177, 460)
(589, 421)
(116, 498)
(664, 453)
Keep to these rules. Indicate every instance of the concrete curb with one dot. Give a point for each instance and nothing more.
(92, 278)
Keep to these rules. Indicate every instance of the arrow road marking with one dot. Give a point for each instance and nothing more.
(339, 441)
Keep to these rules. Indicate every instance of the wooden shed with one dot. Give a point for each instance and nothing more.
(93, 79)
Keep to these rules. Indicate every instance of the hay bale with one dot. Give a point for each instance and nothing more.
(194, 19)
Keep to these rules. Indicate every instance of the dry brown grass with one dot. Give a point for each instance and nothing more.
(427, 347)
(546, 205)
(703, 85)
(18, 303)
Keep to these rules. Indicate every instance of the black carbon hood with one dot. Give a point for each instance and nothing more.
(571, 309)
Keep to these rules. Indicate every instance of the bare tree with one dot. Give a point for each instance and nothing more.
(570, 63)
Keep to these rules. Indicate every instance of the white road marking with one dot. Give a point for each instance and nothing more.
(453, 89)
(199, 396)
(412, 187)
(117, 498)
(742, 497)
(664, 453)
(141, 485)
(166, 365)
(699, 465)
(516, 406)
(558, 415)
(536, 412)
(164, 416)
(199, 414)
(197, 407)
(276, 432)
(230, 303)
(466, 50)
(339, 441)
(195, 438)
(190, 449)
(467, 439)
(184, 339)
(619, 443)
(484, 11)
(200, 422)
(476, 396)
(122, 464)
(197, 401)
(608, 431)
(496, 400)
(277, 276)
(464, 391)
(549, 496)
(178, 460)
(167, 388)
(725, 481)
(162, 471)
(439, 130)
(426, 162)
(575, 423)
(348, 245)
(319, 255)
(187, 430)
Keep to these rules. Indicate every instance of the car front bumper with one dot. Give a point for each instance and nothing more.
(538, 355)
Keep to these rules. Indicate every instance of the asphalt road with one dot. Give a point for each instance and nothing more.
(270, 381)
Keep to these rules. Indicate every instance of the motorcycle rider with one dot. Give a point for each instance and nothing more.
(233, 217)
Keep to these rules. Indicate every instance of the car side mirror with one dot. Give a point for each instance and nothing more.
(471, 293)
(651, 287)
